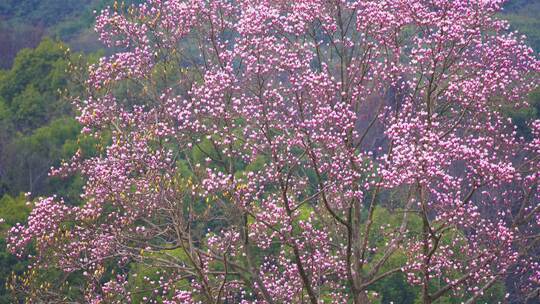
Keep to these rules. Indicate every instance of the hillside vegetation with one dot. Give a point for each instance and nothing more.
(24, 23)
(37, 125)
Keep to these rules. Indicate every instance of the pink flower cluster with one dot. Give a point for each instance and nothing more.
(254, 146)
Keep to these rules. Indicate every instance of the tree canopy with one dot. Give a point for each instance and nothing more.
(297, 152)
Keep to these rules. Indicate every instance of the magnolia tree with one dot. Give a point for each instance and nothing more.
(298, 152)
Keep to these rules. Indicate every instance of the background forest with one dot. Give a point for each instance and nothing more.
(41, 41)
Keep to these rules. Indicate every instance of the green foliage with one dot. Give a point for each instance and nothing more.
(43, 67)
(13, 210)
(29, 90)
(204, 149)
(31, 157)
(8, 264)
(49, 140)
(140, 274)
(39, 10)
(522, 117)
(394, 288)
(35, 133)
(257, 164)
(23, 23)
(28, 109)
(523, 17)
(528, 26)
(6, 124)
